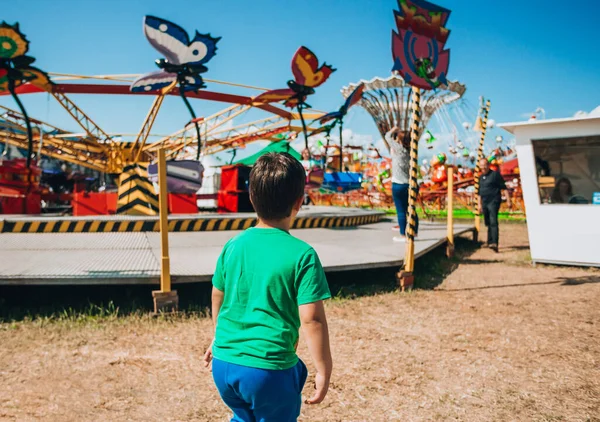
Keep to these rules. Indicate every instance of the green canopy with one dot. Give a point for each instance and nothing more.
(280, 146)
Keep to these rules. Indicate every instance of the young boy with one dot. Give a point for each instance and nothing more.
(266, 285)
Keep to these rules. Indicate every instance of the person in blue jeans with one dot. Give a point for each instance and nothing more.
(266, 286)
(399, 148)
(400, 192)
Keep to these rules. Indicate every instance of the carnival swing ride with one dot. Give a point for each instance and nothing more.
(447, 135)
(100, 151)
(388, 101)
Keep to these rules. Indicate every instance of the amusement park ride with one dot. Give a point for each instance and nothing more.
(183, 62)
(95, 149)
(353, 175)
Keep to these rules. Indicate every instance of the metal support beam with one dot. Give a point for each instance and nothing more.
(244, 139)
(51, 148)
(177, 141)
(87, 124)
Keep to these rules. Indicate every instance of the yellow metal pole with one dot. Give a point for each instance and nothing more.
(450, 245)
(406, 277)
(164, 299)
(486, 111)
(165, 263)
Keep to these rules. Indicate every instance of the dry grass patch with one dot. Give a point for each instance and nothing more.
(492, 339)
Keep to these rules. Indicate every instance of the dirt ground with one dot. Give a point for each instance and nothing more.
(497, 340)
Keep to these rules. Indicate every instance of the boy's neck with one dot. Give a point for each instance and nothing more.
(283, 224)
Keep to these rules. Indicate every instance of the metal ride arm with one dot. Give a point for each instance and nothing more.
(267, 133)
(142, 137)
(112, 155)
(119, 89)
(221, 140)
(55, 149)
(264, 129)
(55, 144)
(245, 127)
(177, 142)
(99, 152)
(259, 125)
(17, 121)
(87, 124)
(115, 153)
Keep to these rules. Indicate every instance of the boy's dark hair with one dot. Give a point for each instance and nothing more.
(277, 181)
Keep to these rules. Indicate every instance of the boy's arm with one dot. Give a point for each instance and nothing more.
(217, 302)
(314, 326)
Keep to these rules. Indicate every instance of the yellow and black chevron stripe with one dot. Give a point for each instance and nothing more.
(196, 224)
(136, 193)
(414, 164)
(484, 120)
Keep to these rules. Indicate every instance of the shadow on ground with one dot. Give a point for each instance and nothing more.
(574, 281)
(33, 302)
(563, 281)
(515, 248)
(430, 272)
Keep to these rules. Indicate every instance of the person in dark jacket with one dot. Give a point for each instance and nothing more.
(491, 184)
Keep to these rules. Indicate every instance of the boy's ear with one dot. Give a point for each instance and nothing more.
(298, 203)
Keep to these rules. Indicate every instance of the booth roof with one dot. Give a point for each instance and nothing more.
(512, 126)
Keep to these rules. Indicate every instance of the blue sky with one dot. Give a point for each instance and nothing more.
(520, 54)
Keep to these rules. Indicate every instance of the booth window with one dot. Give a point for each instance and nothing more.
(568, 169)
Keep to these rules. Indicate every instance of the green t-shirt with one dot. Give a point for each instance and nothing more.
(265, 275)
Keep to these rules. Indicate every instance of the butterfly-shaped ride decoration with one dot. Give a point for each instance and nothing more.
(183, 64)
(308, 75)
(337, 117)
(16, 70)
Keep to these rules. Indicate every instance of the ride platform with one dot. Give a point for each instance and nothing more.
(119, 258)
(308, 218)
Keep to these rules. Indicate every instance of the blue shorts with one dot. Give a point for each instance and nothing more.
(260, 395)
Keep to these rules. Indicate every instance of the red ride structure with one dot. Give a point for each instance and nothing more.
(20, 191)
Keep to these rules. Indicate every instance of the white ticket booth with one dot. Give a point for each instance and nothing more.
(559, 161)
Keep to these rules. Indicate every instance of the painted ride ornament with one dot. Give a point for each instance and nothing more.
(418, 44)
(429, 139)
(439, 173)
(16, 70)
(308, 75)
(183, 64)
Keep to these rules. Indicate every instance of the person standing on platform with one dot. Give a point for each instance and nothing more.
(309, 164)
(400, 176)
(267, 284)
(307, 161)
(491, 183)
